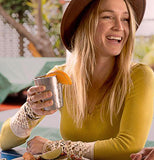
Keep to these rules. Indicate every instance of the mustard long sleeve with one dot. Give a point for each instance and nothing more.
(8, 139)
(129, 130)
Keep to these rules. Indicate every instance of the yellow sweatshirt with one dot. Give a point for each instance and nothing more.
(113, 142)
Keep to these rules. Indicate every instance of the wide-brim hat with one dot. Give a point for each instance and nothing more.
(75, 10)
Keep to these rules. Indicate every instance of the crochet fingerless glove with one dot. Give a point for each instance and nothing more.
(77, 150)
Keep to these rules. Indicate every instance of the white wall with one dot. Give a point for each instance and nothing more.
(147, 26)
(149, 13)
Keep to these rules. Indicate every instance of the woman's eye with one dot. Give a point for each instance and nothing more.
(107, 17)
(125, 19)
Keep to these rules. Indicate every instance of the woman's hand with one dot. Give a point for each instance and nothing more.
(144, 154)
(36, 96)
(35, 145)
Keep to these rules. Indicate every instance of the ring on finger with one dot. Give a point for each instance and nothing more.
(27, 147)
(29, 100)
(29, 144)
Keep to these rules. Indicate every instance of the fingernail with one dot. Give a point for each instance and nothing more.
(51, 102)
(43, 87)
(49, 93)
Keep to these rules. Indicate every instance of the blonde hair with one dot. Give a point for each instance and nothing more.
(80, 67)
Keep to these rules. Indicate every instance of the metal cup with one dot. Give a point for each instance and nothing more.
(52, 85)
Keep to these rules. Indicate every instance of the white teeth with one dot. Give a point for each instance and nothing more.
(115, 38)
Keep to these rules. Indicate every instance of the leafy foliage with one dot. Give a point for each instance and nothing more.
(16, 8)
(144, 50)
(52, 14)
(24, 11)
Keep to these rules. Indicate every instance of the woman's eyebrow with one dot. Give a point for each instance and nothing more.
(112, 11)
(106, 11)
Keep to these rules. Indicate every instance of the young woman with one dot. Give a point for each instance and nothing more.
(108, 109)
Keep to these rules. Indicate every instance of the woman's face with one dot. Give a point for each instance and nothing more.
(112, 29)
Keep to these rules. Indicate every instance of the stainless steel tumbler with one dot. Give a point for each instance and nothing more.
(51, 84)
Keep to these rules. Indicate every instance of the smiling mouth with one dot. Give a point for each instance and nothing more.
(115, 38)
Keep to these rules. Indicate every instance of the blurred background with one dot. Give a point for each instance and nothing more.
(39, 29)
(30, 28)
(144, 48)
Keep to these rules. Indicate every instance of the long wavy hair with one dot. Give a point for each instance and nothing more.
(81, 63)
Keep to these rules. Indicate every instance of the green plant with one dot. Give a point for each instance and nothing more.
(46, 19)
(144, 50)
(17, 9)
(52, 14)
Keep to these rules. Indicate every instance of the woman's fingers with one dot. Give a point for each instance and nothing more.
(42, 104)
(35, 145)
(144, 154)
(136, 156)
(44, 112)
(132, 155)
(37, 93)
(38, 99)
(35, 89)
(40, 96)
(38, 107)
(150, 156)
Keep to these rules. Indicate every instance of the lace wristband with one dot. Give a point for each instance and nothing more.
(77, 149)
(20, 124)
(29, 113)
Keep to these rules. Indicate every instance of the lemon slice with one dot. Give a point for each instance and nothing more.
(62, 77)
(52, 154)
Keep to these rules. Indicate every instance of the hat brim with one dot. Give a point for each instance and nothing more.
(75, 10)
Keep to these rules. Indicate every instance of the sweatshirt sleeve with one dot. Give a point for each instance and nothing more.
(135, 121)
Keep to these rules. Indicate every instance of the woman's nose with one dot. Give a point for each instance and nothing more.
(118, 24)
